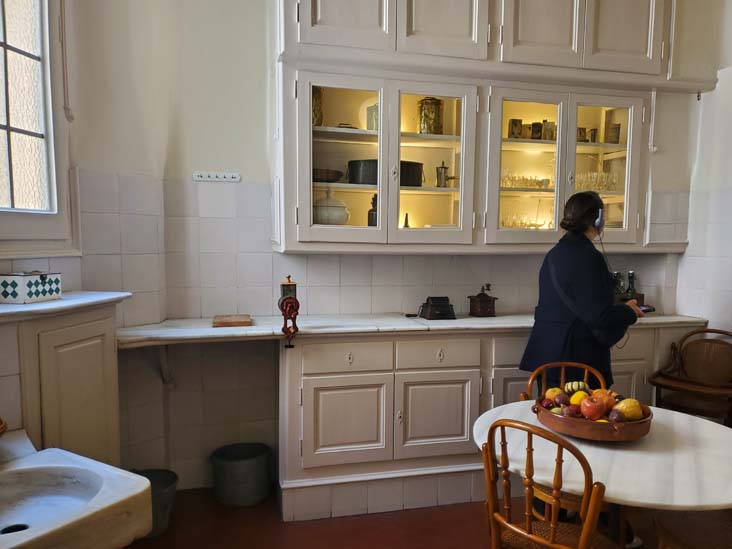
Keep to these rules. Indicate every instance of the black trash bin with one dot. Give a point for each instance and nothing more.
(242, 473)
(163, 483)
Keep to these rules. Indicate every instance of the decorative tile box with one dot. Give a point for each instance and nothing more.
(29, 287)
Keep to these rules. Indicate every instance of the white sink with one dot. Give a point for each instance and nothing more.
(54, 498)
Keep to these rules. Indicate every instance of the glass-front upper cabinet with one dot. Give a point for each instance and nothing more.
(342, 159)
(432, 161)
(526, 165)
(603, 156)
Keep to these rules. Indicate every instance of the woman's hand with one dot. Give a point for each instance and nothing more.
(633, 304)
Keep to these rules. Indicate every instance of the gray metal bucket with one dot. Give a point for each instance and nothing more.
(162, 485)
(242, 473)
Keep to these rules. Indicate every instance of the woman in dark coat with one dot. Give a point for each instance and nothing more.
(576, 320)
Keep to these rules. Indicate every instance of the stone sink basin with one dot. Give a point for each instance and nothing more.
(54, 498)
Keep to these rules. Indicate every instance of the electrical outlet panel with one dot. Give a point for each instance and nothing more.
(222, 177)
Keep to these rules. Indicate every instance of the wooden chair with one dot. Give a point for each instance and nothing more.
(541, 371)
(526, 530)
(698, 378)
(694, 529)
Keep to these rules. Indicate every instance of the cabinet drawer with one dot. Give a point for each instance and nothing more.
(636, 345)
(438, 353)
(322, 358)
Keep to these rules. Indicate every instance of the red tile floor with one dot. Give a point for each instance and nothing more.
(199, 522)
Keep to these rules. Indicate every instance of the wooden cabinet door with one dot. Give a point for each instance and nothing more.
(454, 28)
(630, 380)
(624, 35)
(543, 32)
(507, 384)
(79, 391)
(355, 23)
(347, 419)
(435, 412)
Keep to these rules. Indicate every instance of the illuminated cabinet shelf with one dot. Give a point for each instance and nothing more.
(384, 161)
(581, 142)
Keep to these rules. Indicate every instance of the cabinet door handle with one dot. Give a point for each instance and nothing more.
(441, 355)
(349, 358)
(400, 419)
(570, 180)
(394, 173)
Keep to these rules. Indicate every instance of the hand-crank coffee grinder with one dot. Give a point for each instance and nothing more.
(289, 307)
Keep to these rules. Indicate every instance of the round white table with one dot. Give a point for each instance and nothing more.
(683, 463)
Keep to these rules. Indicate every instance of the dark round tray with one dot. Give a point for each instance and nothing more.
(593, 430)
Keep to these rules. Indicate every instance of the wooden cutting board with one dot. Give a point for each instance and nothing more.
(227, 321)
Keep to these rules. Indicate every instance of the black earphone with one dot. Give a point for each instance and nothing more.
(600, 221)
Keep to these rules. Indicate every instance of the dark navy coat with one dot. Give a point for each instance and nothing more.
(561, 335)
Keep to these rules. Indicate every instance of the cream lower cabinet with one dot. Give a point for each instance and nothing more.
(507, 384)
(347, 419)
(69, 383)
(434, 412)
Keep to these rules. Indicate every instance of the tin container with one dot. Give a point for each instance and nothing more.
(430, 115)
(29, 287)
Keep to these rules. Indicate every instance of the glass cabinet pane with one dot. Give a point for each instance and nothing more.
(430, 145)
(529, 171)
(345, 153)
(601, 158)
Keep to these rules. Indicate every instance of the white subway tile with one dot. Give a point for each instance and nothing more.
(253, 200)
(182, 270)
(186, 442)
(323, 270)
(216, 199)
(221, 407)
(140, 194)
(294, 265)
(355, 270)
(185, 408)
(181, 198)
(6, 265)
(508, 299)
(139, 234)
(101, 273)
(720, 204)
(454, 488)
(385, 495)
(100, 233)
(256, 300)
(183, 302)
(218, 301)
(413, 297)
(141, 308)
(70, 269)
(384, 299)
(40, 264)
(387, 270)
(718, 241)
(418, 270)
(181, 234)
(420, 492)
(478, 269)
(719, 273)
(254, 234)
(218, 270)
(264, 432)
(146, 422)
(147, 455)
(140, 273)
(349, 499)
(355, 299)
(98, 192)
(450, 270)
(528, 299)
(312, 503)
(192, 473)
(220, 434)
(257, 403)
(219, 373)
(217, 235)
(323, 300)
(503, 271)
(10, 363)
(10, 407)
(254, 269)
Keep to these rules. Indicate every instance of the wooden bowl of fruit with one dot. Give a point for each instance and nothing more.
(602, 414)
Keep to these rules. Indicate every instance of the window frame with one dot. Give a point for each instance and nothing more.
(55, 232)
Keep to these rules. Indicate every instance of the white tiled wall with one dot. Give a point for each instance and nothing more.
(10, 409)
(123, 241)
(669, 216)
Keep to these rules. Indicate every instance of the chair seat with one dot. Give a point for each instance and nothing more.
(567, 534)
(694, 530)
(691, 403)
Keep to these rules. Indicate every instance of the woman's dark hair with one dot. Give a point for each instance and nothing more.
(581, 211)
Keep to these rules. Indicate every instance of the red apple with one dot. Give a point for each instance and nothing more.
(593, 407)
(562, 399)
(547, 403)
(607, 395)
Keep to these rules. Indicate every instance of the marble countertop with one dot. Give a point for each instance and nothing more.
(682, 464)
(269, 327)
(68, 302)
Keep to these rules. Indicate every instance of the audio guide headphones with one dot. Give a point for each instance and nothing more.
(600, 221)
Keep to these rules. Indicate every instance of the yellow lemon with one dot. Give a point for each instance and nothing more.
(602, 421)
(631, 409)
(578, 397)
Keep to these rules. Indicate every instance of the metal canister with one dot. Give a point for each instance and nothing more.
(372, 117)
(430, 115)
(317, 106)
